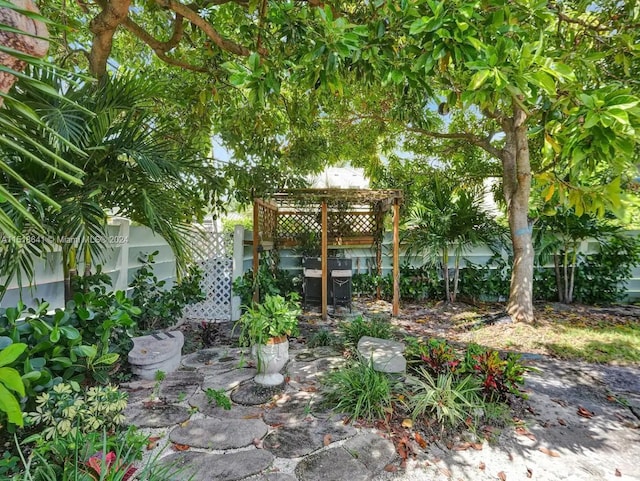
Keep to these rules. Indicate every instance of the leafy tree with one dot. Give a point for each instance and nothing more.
(532, 74)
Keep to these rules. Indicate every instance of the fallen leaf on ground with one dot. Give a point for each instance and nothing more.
(510, 457)
(407, 423)
(258, 443)
(482, 466)
(562, 422)
(618, 473)
(309, 389)
(523, 432)
(462, 447)
(502, 476)
(477, 446)
(152, 442)
(327, 439)
(446, 472)
(585, 413)
(420, 440)
(562, 403)
(390, 468)
(180, 447)
(549, 452)
(252, 416)
(529, 472)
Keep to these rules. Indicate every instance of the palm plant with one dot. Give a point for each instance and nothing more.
(447, 219)
(132, 167)
(17, 124)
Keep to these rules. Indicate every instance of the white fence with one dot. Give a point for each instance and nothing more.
(121, 263)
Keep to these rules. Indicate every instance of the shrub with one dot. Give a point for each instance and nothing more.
(271, 281)
(359, 391)
(358, 327)
(160, 307)
(322, 338)
(497, 376)
(450, 399)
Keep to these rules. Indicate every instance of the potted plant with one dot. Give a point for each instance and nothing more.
(266, 327)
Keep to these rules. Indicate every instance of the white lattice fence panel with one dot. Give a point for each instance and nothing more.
(215, 261)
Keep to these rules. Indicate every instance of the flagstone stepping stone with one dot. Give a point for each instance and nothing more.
(156, 352)
(179, 386)
(386, 355)
(335, 464)
(294, 407)
(301, 439)
(156, 416)
(227, 380)
(219, 434)
(197, 466)
(138, 390)
(275, 477)
(211, 409)
(211, 357)
(249, 393)
(372, 450)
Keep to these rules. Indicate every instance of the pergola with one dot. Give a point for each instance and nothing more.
(340, 217)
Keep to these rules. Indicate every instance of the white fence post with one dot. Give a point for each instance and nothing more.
(238, 268)
(123, 255)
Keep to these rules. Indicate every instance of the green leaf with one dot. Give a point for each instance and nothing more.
(478, 79)
(11, 353)
(11, 380)
(10, 406)
(545, 81)
(70, 332)
(107, 359)
(418, 25)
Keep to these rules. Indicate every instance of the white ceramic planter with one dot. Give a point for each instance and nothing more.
(271, 358)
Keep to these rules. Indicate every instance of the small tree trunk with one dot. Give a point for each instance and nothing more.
(556, 267)
(445, 274)
(456, 276)
(34, 44)
(572, 273)
(517, 186)
(103, 27)
(565, 276)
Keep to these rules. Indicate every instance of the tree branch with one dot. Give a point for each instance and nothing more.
(103, 26)
(161, 48)
(207, 28)
(481, 142)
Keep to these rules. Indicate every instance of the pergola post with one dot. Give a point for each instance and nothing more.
(256, 252)
(396, 257)
(324, 259)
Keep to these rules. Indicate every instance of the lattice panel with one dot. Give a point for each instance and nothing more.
(267, 221)
(213, 244)
(350, 224)
(293, 225)
(215, 260)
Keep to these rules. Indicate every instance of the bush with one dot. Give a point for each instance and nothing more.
(359, 391)
(352, 331)
(271, 281)
(159, 307)
(452, 400)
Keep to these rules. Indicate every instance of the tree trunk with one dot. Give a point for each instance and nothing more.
(34, 44)
(556, 267)
(456, 278)
(103, 27)
(517, 186)
(445, 275)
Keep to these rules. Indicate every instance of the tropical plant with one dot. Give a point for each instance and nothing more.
(132, 166)
(447, 218)
(275, 317)
(359, 391)
(11, 384)
(450, 399)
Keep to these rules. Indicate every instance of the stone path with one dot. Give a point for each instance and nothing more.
(291, 437)
(283, 435)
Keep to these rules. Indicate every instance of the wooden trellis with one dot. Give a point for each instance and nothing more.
(339, 217)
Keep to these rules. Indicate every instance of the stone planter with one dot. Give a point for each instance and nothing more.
(156, 352)
(271, 358)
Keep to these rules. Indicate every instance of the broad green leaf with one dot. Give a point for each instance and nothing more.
(9, 405)
(107, 359)
(478, 79)
(11, 353)
(11, 380)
